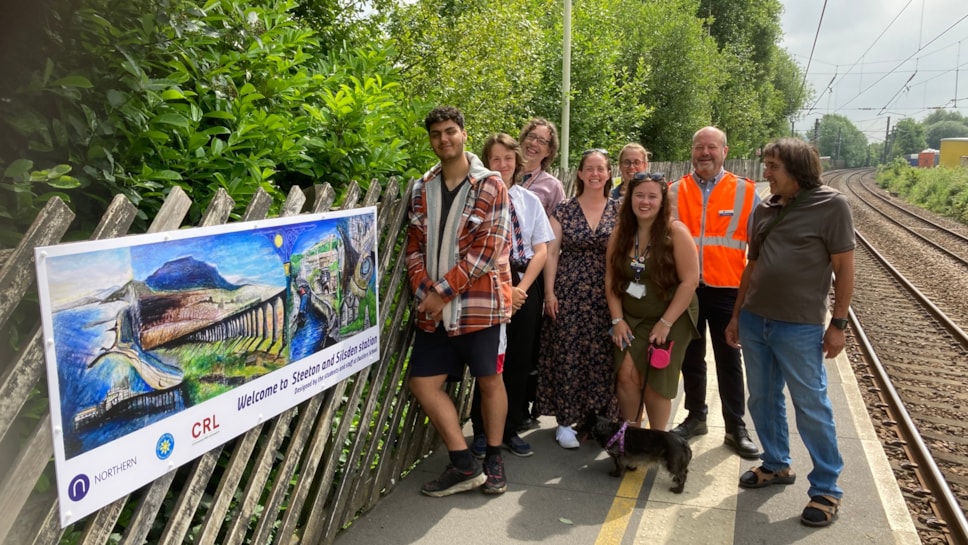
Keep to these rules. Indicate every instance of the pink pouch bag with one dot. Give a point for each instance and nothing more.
(659, 355)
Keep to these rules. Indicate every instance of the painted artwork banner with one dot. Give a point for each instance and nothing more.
(161, 347)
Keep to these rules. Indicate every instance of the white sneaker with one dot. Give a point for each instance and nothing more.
(567, 437)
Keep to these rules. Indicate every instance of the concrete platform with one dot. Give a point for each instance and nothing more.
(563, 496)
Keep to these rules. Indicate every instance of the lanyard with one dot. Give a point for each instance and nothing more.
(638, 262)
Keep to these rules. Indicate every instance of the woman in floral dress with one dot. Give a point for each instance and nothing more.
(575, 371)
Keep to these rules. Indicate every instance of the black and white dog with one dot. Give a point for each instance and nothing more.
(630, 446)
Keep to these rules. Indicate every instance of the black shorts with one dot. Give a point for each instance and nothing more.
(436, 353)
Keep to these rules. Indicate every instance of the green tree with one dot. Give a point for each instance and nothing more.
(944, 115)
(608, 89)
(682, 59)
(344, 22)
(483, 59)
(949, 128)
(909, 137)
(843, 142)
(875, 153)
(626, 84)
(758, 90)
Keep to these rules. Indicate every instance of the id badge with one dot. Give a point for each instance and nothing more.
(636, 290)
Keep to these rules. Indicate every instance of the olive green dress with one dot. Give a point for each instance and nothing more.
(641, 315)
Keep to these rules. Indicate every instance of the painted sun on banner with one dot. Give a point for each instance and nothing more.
(161, 347)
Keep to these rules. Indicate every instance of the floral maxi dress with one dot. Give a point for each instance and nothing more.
(575, 372)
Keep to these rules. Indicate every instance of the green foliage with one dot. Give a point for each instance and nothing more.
(338, 22)
(502, 64)
(897, 176)
(949, 128)
(842, 141)
(142, 97)
(681, 58)
(609, 82)
(481, 59)
(937, 116)
(875, 153)
(754, 24)
(942, 190)
(760, 85)
(23, 191)
(908, 138)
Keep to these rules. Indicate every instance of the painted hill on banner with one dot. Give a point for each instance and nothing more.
(187, 273)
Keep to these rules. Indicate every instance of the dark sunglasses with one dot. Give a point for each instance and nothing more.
(654, 176)
(595, 150)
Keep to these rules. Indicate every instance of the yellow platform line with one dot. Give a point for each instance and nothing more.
(620, 513)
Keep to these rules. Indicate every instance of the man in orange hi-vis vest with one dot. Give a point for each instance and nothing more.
(716, 205)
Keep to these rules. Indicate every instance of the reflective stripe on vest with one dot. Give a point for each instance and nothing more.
(721, 243)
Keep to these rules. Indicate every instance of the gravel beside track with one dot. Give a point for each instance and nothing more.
(927, 364)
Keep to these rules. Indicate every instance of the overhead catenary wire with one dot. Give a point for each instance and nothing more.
(895, 69)
(813, 48)
(862, 55)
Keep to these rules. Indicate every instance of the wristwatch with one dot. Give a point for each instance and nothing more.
(615, 321)
(839, 323)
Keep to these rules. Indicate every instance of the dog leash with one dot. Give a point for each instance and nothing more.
(620, 437)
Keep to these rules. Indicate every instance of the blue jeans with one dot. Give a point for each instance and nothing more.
(778, 353)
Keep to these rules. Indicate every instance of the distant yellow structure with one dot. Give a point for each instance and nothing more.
(952, 150)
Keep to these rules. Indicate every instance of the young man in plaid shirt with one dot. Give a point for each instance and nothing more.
(458, 244)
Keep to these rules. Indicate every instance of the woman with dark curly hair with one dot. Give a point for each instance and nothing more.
(652, 271)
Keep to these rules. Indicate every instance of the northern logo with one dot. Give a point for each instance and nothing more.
(79, 487)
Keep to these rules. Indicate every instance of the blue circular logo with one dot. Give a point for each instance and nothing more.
(165, 446)
(79, 487)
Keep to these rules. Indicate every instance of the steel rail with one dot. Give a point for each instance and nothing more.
(932, 243)
(947, 505)
(891, 203)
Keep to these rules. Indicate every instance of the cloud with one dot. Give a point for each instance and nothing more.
(908, 72)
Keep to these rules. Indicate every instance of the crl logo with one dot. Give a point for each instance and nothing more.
(79, 487)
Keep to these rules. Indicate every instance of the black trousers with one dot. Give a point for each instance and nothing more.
(519, 360)
(715, 310)
(528, 408)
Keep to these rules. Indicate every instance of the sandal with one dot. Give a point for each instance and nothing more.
(820, 511)
(758, 477)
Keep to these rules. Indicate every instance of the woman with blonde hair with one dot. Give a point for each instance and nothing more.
(633, 158)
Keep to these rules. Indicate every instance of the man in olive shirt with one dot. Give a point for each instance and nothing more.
(802, 239)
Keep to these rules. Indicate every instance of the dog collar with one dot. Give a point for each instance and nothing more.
(620, 437)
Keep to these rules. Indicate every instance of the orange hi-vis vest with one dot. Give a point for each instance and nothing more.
(718, 227)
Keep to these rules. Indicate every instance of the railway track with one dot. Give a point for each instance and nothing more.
(910, 351)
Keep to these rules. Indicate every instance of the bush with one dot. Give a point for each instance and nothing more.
(135, 98)
(941, 190)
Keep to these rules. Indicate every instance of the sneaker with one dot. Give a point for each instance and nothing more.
(494, 470)
(567, 437)
(518, 446)
(479, 446)
(691, 427)
(453, 480)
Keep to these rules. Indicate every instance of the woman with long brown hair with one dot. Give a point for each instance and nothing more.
(652, 270)
(574, 372)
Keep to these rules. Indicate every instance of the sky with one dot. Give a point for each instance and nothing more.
(876, 60)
